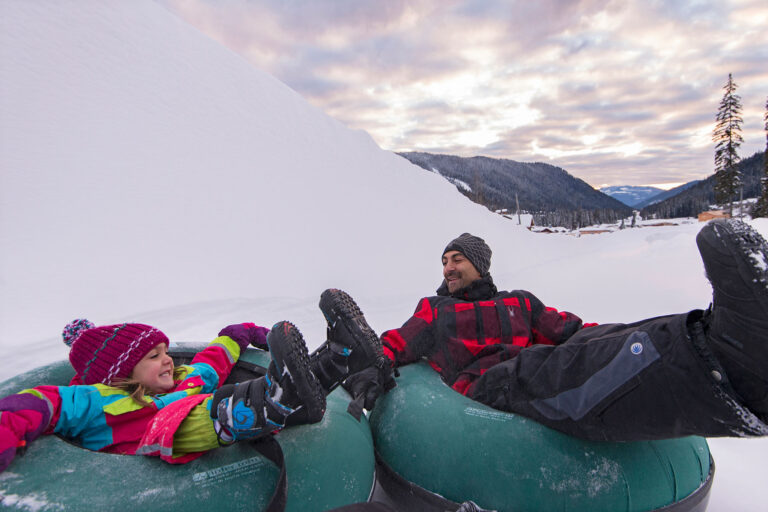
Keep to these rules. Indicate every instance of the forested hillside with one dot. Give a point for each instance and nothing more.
(701, 196)
(505, 184)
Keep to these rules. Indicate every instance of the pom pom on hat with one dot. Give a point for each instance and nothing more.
(74, 328)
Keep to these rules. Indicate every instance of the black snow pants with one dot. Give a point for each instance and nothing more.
(652, 379)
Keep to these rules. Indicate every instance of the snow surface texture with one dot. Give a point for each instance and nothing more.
(149, 174)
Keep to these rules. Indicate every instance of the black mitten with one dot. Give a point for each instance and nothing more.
(367, 385)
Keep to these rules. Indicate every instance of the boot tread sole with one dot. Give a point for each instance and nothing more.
(296, 358)
(748, 247)
(338, 305)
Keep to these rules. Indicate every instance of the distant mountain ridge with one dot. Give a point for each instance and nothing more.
(639, 197)
(631, 195)
(666, 194)
(501, 183)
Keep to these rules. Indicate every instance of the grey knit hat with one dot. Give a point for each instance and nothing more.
(475, 249)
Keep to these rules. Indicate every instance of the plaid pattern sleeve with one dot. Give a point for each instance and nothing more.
(550, 326)
(414, 339)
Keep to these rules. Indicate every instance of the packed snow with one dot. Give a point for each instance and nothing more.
(149, 174)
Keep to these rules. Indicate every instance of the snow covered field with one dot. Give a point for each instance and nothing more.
(149, 174)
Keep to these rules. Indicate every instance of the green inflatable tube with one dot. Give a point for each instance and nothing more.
(434, 439)
(328, 464)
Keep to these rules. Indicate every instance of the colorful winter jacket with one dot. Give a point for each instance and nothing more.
(104, 418)
(465, 333)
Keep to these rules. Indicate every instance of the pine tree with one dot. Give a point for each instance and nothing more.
(761, 208)
(727, 139)
(764, 180)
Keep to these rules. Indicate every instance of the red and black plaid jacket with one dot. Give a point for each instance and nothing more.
(465, 333)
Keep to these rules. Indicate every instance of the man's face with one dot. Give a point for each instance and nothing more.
(458, 271)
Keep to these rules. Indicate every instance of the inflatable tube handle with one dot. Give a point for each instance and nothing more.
(270, 448)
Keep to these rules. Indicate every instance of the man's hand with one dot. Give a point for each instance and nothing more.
(366, 386)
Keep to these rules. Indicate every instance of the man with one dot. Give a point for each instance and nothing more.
(697, 373)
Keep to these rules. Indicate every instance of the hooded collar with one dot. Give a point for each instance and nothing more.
(479, 289)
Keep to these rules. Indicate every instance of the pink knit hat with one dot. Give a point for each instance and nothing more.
(109, 353)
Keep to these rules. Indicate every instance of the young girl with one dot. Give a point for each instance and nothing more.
(127, 397)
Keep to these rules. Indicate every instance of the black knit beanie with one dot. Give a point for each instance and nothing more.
(475, 249)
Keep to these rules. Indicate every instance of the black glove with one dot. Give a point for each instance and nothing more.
(367, 385)
(387, 374)
(364, 384)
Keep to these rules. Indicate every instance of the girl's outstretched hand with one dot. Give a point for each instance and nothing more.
(246, 334)
(9, 441)
(23, 418)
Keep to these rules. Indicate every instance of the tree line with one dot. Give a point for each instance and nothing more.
(576, 219)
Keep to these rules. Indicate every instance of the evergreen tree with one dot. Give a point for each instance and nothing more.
(727, 138)
(761, 208)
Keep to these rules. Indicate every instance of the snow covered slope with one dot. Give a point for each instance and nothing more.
(144, 165)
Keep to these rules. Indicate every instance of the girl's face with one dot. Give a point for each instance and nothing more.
(155, 370)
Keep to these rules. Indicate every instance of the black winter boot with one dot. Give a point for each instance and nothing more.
(736, 260)
(351, 344)
(289, 394)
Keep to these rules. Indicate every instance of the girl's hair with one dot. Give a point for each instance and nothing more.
(136, 389)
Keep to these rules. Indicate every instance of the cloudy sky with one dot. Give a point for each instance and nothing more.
(614, 91)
